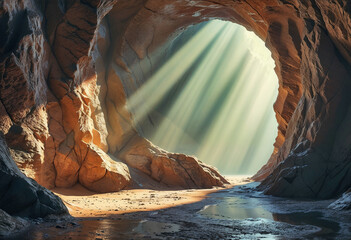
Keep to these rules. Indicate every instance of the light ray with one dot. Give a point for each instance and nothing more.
(142, 102)
(183, 108)
(213, 98)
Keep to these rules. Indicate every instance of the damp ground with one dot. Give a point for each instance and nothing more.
(240, 212)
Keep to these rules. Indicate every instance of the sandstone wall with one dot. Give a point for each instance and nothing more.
(66, 68)
(64, 122)
(53, 122)
(309, 41)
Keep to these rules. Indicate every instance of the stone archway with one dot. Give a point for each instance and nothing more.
(136, 44)
(69, 112)
(290, 31)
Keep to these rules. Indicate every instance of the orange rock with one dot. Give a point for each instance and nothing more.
(66, 165)
(100, 173)
(64, 86)
(174, 170)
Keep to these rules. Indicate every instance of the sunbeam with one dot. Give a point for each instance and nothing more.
(142, 102)
(212, 97)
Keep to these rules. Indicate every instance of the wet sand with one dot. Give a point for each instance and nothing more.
(84, 203)
(239, 212)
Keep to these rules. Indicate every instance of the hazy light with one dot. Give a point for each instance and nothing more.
(213, 98)
(150, 94)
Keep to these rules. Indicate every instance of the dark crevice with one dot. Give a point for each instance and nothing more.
(70, 52)
(17, 28)
(149, 9)
(7, 112)
(75, 35)
(81, 29)
(86, 3)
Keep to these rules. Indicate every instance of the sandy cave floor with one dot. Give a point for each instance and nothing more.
(84, 203)
(237, 211)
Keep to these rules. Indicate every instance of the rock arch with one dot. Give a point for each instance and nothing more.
(69, 110)
(142, 33)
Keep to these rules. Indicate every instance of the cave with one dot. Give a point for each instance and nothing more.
(203, 105)
(68, 69)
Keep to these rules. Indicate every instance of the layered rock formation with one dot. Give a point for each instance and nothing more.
(139, 33)
(311, 53)
(67, 68)
(300, 43)
(66, 124)
(54, 125)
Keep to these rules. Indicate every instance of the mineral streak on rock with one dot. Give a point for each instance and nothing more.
(67, 67)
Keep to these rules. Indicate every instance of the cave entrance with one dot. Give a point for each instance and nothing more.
(209, 92)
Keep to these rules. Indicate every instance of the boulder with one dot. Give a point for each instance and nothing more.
(21, 196)
(11, 225)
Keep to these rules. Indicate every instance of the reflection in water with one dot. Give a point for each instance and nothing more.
(231, 208)
(102, 229)
(151, 227)
(238, 213)
(234, 208)
(230, 205)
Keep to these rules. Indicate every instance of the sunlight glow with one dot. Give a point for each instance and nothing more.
(142, 102)
(212, 98)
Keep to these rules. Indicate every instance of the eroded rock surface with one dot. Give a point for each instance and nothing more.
(67, 68)
(21, 196)
(343, 203)
(309, 41)
(50, 107)
(10, 225)
(171, 169)
(63, 120)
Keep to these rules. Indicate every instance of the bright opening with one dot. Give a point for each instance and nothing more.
(210, 93)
